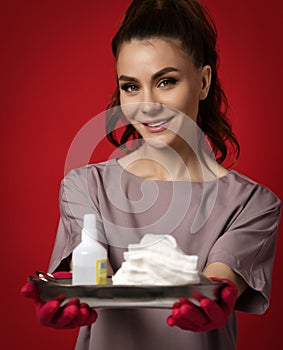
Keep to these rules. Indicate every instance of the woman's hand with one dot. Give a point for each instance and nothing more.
(209, 315)
(52, 314)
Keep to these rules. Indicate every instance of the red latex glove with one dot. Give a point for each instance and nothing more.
(209, 315)
(51, 314)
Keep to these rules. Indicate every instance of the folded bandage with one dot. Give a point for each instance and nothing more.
(156, 260)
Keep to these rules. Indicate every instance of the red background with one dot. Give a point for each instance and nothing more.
(56, 74)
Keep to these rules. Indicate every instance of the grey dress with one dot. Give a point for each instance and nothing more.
(232, 220)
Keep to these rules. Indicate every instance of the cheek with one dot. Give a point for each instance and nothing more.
(130, 111)
(180, 101)
(188, 103)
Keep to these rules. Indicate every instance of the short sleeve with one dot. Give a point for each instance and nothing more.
(248, 247)
(76, 199)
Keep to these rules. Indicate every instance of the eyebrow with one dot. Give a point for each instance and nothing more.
(154, 77)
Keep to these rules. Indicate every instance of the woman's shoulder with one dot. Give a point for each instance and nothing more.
(92, 169)
(240, 183)
(90, 176)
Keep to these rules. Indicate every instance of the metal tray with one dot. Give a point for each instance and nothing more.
(122, 296)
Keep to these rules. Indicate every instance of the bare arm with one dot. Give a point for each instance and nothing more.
(220, 270)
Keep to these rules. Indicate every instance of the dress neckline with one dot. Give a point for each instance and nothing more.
(224, 177)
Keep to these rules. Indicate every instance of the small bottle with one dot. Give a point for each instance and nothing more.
(89, 259)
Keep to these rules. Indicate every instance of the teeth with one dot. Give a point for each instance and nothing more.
(158, 123)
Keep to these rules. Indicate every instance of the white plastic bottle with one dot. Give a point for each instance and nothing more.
(89, 259)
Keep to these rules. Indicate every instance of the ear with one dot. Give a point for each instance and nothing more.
(206, 80)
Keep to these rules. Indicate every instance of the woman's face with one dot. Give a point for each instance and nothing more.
(156, 73)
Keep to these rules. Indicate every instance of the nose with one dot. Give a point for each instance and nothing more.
(149, 103)
(151, 108)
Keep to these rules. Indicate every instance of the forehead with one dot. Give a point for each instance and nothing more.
(141, 56)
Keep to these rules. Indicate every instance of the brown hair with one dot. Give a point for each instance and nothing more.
(188, 22)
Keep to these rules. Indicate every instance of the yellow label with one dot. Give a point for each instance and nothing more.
(101, 271)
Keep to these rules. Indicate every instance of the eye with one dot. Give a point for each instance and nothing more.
(129, 87)
(167, 82)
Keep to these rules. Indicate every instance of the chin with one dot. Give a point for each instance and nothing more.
(160, 143)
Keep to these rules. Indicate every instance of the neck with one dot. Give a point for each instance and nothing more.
(169, 164)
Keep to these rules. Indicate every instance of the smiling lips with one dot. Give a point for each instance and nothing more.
(157, 125)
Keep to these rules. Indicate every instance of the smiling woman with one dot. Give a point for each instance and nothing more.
(158, 71)
(172, 183)
(189, 37)
(156, 74)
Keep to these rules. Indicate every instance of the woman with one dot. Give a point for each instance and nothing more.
(170, 100)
